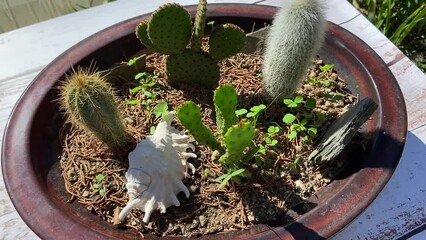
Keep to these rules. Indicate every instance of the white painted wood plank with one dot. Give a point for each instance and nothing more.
(13, 227)
(337, 11)
(401, 206)
(413, 85)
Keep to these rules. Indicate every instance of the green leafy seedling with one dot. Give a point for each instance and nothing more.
(161, 109)
(332, 97)
(295, 163)
(98, 186)
(234, 175)
(326, 67)
(293, 103)
(269, 139)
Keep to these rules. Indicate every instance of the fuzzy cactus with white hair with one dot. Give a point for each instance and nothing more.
(296, 35)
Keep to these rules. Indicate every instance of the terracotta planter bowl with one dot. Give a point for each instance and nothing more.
(31, 143)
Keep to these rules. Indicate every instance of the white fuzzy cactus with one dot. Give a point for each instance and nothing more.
(296, 35)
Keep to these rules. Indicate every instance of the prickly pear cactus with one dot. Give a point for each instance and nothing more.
(142, 35)
(296, 34)
(225, 41)
(236, 139)
(225, 100)
(192, 67)
(199, 22)
(190, 116)
(170, 28)
(169, 31)
(89, 103)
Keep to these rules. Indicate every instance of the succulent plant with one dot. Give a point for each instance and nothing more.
(90, 104)
(169, 31)
(189, 115)
(236, 139)
(235, 136)
(296, 34)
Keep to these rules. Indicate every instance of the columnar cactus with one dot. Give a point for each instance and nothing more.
(168, 31)
(296, 34)
(90, 104)
(235, 136)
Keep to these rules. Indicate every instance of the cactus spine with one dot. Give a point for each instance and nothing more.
(168, 31)
(89, 102)
(296, 34)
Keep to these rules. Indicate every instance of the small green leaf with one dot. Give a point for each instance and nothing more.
(327, 67)
(312, 130)
(101, 192)
(161, 109)
(148, 94)
(298, 99)
(152, 130)
(311, 103)
(289, 118)
(100, 177)
(96, 186)
(211, 23)
(273, 129)
(257, 109)
(136, 89)
(292, 135)
(240, 112)
(132, 102)
(262, 149)
(288, 101)
(132, 61)
(250, 114)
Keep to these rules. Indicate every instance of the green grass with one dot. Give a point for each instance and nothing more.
(402, 21)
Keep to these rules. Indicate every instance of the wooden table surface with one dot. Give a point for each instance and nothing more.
(397, 213)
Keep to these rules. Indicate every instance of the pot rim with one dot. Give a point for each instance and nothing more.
(31, 199)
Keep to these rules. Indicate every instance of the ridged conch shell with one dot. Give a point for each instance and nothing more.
(156, 169)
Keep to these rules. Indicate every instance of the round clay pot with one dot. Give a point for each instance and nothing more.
(31, 143)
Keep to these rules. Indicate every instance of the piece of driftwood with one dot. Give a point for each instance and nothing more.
(255, 41)
(122, 72)
(340, 133)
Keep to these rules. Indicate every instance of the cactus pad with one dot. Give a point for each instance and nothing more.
(142, 35)
(192, 67)
(225, 41)
(199, 22)
(189, 115)
(225, 100)
(170, 28)
(90, 104)
(236, 139)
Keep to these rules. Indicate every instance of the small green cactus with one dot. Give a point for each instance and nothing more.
(235, 136)
(225, 41)
(90, 104)
(180, 68)
(296, 34)
(169, 28)
(190, 116)
(225, 100)
(169, 31)
(236, 139)
(199, 23)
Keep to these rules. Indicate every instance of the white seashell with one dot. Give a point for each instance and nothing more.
(156, 169)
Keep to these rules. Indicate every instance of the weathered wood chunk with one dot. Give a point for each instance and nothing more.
(341, 132)
(255, 41)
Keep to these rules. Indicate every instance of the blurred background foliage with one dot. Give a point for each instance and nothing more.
(19, 13)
